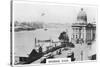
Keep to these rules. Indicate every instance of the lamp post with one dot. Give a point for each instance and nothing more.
(81, 55)
(81, 42)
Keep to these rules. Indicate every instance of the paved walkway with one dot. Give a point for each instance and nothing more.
(81, 53)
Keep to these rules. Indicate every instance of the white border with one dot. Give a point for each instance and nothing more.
(52, 3)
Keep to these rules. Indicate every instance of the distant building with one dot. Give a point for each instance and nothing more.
(83, 31)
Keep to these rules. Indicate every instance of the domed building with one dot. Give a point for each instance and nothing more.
(83, 32)
(82, 17)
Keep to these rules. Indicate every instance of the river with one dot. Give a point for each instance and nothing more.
(24, 41)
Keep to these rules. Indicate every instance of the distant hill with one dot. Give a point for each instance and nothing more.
(21, 26)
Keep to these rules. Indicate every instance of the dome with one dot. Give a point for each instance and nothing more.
(82, 15)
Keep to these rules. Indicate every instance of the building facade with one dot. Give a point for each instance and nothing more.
(83, 31)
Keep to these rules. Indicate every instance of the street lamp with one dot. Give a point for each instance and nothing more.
(81, 42)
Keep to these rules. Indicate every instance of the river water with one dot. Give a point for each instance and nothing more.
(24, 41)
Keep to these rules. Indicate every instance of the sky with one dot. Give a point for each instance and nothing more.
(50, 13)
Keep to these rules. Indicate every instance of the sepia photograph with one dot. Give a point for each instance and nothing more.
(51, 33)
